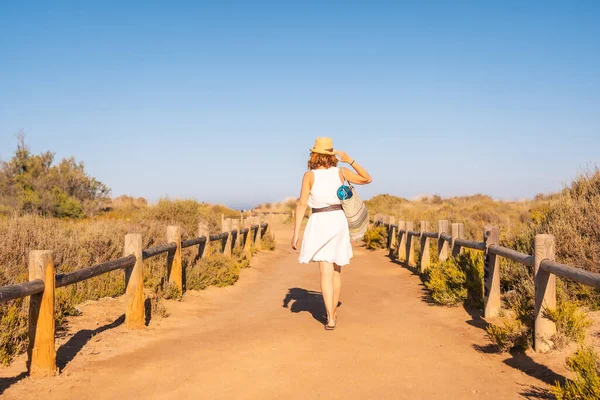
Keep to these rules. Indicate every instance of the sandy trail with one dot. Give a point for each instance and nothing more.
(241, 342)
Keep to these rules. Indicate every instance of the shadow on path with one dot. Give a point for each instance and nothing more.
(67, 352)
(5, 383)
(476, 320)
(523, 362)
(518, 360)
(306, 301)
(534, 392)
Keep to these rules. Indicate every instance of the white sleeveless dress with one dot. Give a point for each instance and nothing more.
(326, 236)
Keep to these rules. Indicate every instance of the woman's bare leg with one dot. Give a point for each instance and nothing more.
(327, 290)
(337, 288)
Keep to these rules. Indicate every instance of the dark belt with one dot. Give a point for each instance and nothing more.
(335, 207)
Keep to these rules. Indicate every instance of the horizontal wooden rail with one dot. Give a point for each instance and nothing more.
(512, 255)
(431, 235)
(193, 242)
(95, 270)
(545, 269)
(154, 251)
(12, 292)
(43, 280)
(575, 274)
(446, 237)
(470, 244)
(220, 236)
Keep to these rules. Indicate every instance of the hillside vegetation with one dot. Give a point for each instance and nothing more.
(35, 184)
(572, 216)
(60, 208)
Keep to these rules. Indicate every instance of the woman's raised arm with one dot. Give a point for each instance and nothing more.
(360, 177)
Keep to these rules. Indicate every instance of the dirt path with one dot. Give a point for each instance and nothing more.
(242, 342)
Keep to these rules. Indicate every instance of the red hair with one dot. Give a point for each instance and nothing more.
(318, 160)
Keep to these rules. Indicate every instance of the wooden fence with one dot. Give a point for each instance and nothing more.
(43, 280)
(402, 237)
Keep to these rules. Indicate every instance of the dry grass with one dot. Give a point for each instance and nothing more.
(475, 212)
(80, 243)
(572, 216)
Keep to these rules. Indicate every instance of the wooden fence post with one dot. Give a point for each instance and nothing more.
(203, 230)
(458, 232)
(491, 274)
(226, 227)
(270, 224)
(235, 226)
(401, 240)
(135, 316)
(545, 293)
(410, 239)
(392, 237)
(258, 239)
(174, 269)
(240, 224)
(248, 242)
(424, 247)
(442, 244)
(41, 350)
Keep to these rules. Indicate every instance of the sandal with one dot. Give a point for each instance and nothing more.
(330, 327)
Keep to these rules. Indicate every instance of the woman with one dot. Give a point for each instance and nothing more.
(326, 237)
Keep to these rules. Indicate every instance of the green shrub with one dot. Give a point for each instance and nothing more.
(458, 280)
(586, 385)
(34, 183)
(214, 270)
(571, 323)
(516, 284)
(376, 237)
(447, 283)
(512, 334)
(472, 263)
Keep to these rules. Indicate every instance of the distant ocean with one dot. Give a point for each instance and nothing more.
(241, 206)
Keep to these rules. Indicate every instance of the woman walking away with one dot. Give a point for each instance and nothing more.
(326, 237)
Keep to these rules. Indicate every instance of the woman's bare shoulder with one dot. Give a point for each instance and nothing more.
(308, 176)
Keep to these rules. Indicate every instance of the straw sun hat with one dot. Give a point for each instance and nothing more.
(323, 145)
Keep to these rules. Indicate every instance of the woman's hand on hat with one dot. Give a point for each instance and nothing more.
(344, 157)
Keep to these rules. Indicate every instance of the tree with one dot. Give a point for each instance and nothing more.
(31, 183)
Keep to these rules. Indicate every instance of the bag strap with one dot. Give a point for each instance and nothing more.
(346, 180)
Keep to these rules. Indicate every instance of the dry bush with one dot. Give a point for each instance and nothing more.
(81, 243)
(473, 211)
(268, 242)
(13, 330)
(214, 270)
(509, 335)
(572, 216)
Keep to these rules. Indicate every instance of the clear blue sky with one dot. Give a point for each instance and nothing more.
(220, 101)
